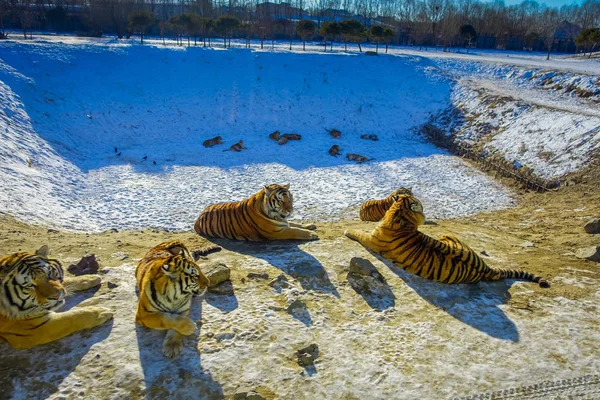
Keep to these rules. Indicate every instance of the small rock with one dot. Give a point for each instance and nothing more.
(276, 308)
(484, 253)
(224, 288)
(105, 271)
(526, 244)
(593, 226)
(216, 273)
(371, 53)
(254, 275)
(87, 265)
(305, 360)
(429, 222)
(589, 253)
(51, 230)
(280, 281)
(363, 267)
(112, 285)
(224, 336)
(296, 305)
(247, 393)
(308, 355)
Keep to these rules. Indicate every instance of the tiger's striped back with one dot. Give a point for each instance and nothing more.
(374, 210)
(260, 217)
(446, 260)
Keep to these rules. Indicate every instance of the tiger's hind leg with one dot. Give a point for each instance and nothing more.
(24, 334)
(310, 227)
(295, 233)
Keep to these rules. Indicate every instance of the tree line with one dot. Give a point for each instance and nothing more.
(528, 25)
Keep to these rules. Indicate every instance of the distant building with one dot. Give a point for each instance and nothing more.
(275, 11)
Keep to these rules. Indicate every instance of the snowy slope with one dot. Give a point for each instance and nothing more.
(80, 101)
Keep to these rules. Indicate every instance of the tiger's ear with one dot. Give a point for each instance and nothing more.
(267, 190)
(43, 251)
(395, 197)
(286, 186)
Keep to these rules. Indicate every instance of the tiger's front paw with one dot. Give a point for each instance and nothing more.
(97, 315)
(187, 327)
(311, 227)
(349, 234)
(314, 236)
(172, 345)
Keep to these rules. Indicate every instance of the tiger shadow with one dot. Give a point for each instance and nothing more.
(473, 304)
(181, 376)
(287, 256)
(39, 371)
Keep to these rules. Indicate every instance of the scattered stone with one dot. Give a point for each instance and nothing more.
(593, 226)
(112, 230)
(120, 255)
(280, 282)
(51, 230)
(526, 244)
(87, 265)
(429, 222)
(589, 253)
(224, 336)
(308, 355)
(296, 306)
(484, 253)
(361, 266)
(248, 394)
(371, 53)
(210, 334)
(224, 288)
(254, 275)
(105, 271)
(216, 272)
(276, 308)
(112, 285)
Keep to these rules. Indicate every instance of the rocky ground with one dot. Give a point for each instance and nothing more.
(408, 338)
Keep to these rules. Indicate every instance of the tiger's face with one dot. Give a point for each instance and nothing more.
(401, 191)
(30, 285)
(186, 274)
(278, 202)
(406, 210)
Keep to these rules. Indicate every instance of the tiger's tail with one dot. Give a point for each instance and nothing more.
(498, 274)
(206, 250)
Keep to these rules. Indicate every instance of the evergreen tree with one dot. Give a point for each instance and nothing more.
(388, 34)
(377, 35)
(329, 30)
(140, 21)
(306, 29)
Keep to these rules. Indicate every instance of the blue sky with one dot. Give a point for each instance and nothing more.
(550, 3)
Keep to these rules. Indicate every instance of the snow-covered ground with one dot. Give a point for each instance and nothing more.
(66, 107)
(66, 103)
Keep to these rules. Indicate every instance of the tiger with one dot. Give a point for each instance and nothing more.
(334, 133)
(374, 210)
(292, 136)
(275, 135)
(239, 146)
(357, 157)
(32, 287)
(334, 150)
(447, 260)
(263, 216)
(167, 278)
(212, 142)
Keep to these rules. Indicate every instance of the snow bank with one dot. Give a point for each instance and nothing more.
(80, 102)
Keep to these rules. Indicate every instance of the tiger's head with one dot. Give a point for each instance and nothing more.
(278, 202)
(186, 274)
(401, 191)
(407, 211)
(30, 284)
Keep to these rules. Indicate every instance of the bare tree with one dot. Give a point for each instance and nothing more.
(547, 23)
